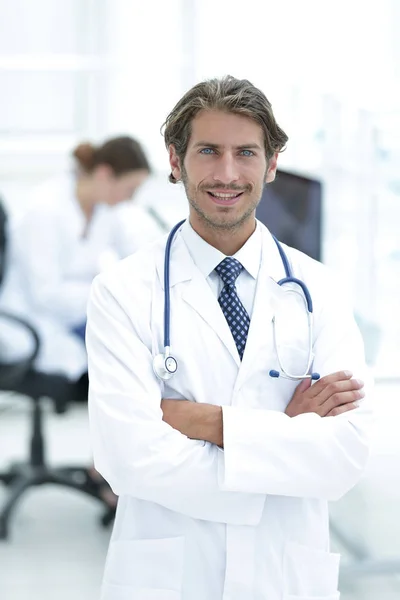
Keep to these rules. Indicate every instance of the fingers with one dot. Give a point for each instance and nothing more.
(328, 396)
(341, 392)
(333, 378)
(303, 385)
(338, 410)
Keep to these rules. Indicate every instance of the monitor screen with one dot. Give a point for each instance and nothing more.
(291, 208)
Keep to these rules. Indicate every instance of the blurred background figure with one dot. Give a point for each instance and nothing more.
(166, 204)
(69, 232)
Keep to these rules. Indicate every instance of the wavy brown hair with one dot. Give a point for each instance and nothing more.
(227, 94)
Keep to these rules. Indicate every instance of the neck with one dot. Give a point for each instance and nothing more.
(229, 240)
(84, 195)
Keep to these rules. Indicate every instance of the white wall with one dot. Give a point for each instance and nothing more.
(50, 74)
(145, 48)
(85, 69)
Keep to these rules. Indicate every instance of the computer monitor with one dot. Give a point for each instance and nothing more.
(291, 208)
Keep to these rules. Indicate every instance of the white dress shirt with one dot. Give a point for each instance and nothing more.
(206, 258)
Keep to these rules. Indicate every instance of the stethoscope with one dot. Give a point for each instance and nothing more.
(165, 365)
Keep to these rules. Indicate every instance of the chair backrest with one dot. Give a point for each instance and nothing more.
(12, 373)
(3, 240)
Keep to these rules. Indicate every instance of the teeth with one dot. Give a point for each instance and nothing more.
(219, 195)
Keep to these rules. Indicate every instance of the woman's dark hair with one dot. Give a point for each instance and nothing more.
(122, 154)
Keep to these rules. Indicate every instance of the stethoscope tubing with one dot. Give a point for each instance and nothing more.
(289, 278)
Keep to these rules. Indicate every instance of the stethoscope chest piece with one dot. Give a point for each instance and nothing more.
(164, 366)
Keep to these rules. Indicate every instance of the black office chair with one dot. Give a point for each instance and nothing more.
(3, 239)
(22, 377)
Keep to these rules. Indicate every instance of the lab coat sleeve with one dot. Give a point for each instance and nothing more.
(305, 456)
(39, 250)
(134, 449)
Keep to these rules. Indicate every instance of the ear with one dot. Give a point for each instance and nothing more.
(272, 166)
(174, 162)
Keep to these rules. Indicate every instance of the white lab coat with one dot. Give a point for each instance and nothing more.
(195, 522)
(164, 201)
(51, 265)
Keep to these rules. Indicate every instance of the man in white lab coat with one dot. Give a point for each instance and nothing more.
(223, 472)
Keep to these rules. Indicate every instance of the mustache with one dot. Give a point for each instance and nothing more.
(221, 186)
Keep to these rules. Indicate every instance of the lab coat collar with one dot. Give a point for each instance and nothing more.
(207, 258)
(250, 255)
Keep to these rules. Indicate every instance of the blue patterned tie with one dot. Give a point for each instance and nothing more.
(235, 313)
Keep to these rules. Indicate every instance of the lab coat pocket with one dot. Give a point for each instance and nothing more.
(149, 569)
(309, 573)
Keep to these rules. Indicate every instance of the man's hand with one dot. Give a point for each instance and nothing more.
(330, 396)
(195, 420)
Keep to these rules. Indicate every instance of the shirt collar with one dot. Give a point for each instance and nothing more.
(206, 257)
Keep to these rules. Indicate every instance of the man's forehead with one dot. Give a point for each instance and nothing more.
(225, 128)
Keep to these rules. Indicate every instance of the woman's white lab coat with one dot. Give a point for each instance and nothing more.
(51, 263)
(194, 522)
(165, 202)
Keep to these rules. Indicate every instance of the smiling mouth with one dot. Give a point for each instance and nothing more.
(225, 196)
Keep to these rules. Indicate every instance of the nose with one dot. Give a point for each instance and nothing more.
(226, 169)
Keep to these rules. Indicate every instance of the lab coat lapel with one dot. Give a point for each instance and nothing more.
(199, 296)
(197, 293)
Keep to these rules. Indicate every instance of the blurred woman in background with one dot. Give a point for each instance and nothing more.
(70, 232)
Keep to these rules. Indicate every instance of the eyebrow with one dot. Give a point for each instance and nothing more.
(251, 146)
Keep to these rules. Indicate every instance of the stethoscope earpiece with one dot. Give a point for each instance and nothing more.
(312, 376)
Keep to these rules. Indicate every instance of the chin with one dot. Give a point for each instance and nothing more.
(225, 222)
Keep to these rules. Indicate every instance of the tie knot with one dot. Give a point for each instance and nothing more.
(229, 270)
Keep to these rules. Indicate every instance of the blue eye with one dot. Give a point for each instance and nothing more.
(207, 151)
(247, 153)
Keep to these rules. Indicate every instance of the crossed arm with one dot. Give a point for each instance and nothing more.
(330, 396)
(196, 421)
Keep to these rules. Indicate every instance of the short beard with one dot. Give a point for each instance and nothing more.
(222, 225)
(213, 224)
